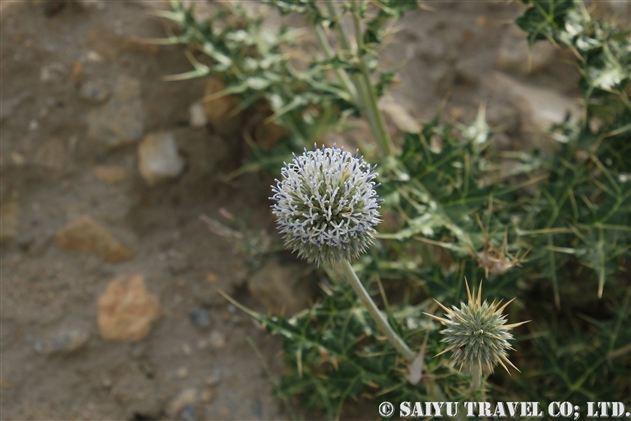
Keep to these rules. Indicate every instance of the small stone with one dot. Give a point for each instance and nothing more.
(197, 115)
(212, 277)
(64, 341)
(110, 174)
(199, 318)
(33, 125)
(182, 372)
(279, 288)
(51, 72)
(214, 379)
(186, 397)
(94, 57)
(52, 155)
(17, 159)
(186, 349)
(217, 339)
(94, 91)
(207, 395)
(121, 120)
(126, 309)
(86, 236)
(9, 220)
(158, 158)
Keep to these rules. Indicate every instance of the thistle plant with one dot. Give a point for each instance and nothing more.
(451, 211)
(327, 208)
(478, 335)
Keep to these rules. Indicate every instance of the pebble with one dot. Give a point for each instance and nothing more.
(158, 158)
(94, 91)
(184, 398)
(199, 318)
(63, 341)
(52, 155)
(126, 309)
(182, 372)
(186, 349)
(121, 120)
(207, 395)
(51, 72)
(85, 235)
(279, 288)
(217, 339)
(214, 379)
(197, 115)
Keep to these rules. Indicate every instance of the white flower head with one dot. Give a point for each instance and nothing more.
(326, 205)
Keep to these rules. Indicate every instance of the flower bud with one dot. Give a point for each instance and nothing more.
(477, 333)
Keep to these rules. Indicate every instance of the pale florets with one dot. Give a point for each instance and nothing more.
(326, 205)
(477, 334)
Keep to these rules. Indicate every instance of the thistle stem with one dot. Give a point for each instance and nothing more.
(341, 74)
(476, 377)
(379, 123)
(365, 92)
(382, 324)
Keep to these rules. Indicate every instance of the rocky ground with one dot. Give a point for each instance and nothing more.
(110, 306)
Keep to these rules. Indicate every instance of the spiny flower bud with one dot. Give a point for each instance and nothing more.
(477, 333)
(326, 205)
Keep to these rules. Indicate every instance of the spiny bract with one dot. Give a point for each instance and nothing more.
(326, 205)
(477, 333)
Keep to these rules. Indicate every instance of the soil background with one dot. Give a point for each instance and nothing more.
(109, 278)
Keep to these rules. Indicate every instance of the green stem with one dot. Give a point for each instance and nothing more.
(382, 324)
(365, 92)
(341, 74)
(476, 377)
(381, 131)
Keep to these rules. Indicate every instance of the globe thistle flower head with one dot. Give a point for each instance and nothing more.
(326, 205)
(477, 333)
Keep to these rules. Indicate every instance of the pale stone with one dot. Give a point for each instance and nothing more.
(86, 236)
(126, 309)
(158, 158)
(197, 115)
(186, 397)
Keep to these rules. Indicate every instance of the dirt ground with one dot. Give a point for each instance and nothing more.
(84, 111)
